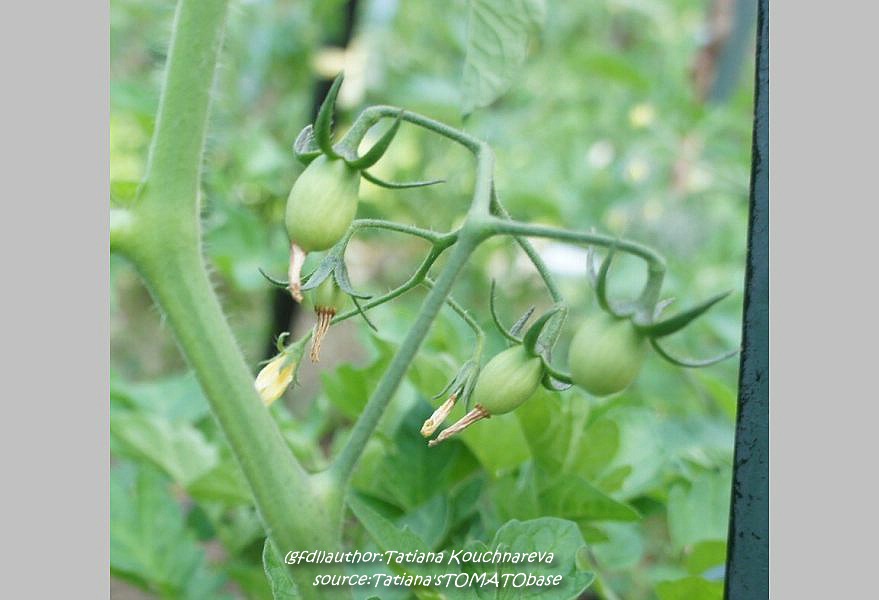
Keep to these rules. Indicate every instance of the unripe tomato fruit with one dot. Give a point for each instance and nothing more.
(507, 381)
(322, 204)
(606, 354)
(327, 297)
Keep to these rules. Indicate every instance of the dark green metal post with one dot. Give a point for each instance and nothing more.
(747, 569)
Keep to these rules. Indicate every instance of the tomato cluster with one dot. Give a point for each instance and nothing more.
(606, 353)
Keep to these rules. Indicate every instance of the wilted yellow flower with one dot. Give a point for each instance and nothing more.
(275, 377)
(438, 416)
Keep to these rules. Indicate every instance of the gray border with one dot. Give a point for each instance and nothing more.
(823, 356)
(55, 433)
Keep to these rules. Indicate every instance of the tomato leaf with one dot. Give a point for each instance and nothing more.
(276, 571)
(546, 534)
(177, 398)
(179, 449)
(699, 511)
(497, 45)
(149, 542)
(574, 498)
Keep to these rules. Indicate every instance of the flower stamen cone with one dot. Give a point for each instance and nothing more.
(477, 414)
(294, 274)
(439, 415)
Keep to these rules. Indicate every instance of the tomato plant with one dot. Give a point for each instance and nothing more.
(537, 436)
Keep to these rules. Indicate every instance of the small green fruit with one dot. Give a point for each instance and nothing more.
(322, 204)
(327, 297)
(507, 381)
(606, 354)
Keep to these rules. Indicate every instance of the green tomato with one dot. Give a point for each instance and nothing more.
(328, 296)
(606, 354)
(322, 204)
(507, 381)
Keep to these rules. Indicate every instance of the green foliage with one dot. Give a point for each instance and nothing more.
(149, 541)
(690, 588)
(590, 112)
(178, 449)
(497, 45)
(699, 510)
(546, 534)
(276, 572)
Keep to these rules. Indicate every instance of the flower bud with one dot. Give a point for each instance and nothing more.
(275, 377)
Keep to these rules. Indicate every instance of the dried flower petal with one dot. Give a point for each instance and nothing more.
(439, 415)
(297, 261)
(477, 414)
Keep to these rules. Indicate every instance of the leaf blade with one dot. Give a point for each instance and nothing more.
(497, 45)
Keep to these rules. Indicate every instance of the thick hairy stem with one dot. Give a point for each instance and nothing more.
(389, 383)
(297, 509)
(160, 234)
(175, 158)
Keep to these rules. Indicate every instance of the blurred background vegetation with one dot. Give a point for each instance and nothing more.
(629, 116)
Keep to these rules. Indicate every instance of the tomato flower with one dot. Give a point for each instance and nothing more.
(274, 378)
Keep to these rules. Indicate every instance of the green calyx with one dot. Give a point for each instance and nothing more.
(507, 381)
(606, 354)
(322, 204)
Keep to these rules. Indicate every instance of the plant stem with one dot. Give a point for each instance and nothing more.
(529, 250)
(175, 157)
(444, 239)
(459, 310)
(653, 259)
(180, 285)
(372, 115)
(378, 401)
(160, 234)
(415, 280)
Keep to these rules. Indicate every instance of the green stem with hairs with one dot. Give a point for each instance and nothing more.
(159, 231)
